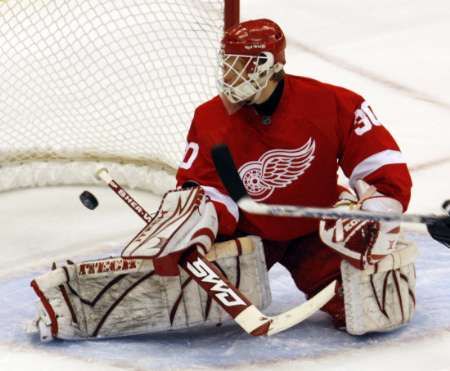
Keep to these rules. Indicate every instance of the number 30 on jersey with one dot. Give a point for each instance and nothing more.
(190, 154)
(365, 119)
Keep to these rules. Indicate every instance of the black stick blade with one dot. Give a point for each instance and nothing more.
(446, 206)
(88, 200)
(440, 231)
(227, 172)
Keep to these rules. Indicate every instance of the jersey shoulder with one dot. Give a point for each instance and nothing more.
(211, 108)
(209, 122)
(318, 88)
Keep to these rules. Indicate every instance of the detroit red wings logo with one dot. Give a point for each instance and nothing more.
(276, 168)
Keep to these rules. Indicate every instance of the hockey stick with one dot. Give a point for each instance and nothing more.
(217, 286)
(438, 226)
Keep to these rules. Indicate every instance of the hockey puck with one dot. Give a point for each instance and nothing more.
(88, 200)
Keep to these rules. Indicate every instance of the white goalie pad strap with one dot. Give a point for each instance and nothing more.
(381, 298)
(406, 253)
(184, 218)
(54, 278)
(137, 301)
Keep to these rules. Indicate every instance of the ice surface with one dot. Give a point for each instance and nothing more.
(365, 46)
(199, 348)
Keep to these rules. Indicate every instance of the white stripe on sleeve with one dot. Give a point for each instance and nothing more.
(374, 162)
(215, 195)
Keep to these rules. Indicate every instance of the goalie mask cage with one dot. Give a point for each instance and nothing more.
(86, 84)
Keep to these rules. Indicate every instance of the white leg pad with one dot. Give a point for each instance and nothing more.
(382, 297)
(79, 302)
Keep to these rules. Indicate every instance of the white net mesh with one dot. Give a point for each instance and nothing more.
(97, 82)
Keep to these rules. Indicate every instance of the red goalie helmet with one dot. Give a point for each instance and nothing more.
(254, 37)
(252, 52)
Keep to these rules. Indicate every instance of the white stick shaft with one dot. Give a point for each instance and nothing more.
(253, 207)
(103, 174)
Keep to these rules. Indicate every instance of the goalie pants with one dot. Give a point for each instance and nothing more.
(312, 265)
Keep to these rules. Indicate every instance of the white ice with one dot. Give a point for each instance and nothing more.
(396, 54)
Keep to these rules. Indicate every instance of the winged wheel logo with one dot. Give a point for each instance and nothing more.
(277, 168)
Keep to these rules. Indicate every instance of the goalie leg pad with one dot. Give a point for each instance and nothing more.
(102, 299)
(381, 298)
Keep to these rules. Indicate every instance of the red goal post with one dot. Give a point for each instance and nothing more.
(232, 13)
(110, 83)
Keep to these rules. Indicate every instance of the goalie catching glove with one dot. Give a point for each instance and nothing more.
(378, 272)
(363, 242)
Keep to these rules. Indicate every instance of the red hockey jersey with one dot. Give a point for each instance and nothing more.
(294, 159)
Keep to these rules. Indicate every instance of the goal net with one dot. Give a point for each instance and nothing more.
(86, 84)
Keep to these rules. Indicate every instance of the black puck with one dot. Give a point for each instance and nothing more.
(88, 200)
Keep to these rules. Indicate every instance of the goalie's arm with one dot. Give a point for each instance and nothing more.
(367, 151)
(197, 169)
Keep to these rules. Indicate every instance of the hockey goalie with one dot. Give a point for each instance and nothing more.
(288, 136)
